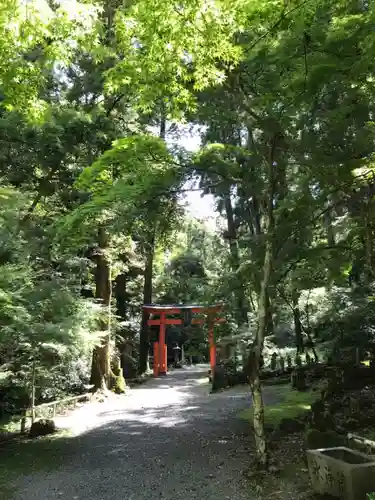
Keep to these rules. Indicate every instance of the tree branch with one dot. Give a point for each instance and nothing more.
(283, 16)
(114, 104)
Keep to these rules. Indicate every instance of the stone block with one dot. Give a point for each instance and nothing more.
(341, 472)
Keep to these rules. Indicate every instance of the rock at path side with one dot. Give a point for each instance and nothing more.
(42, 427)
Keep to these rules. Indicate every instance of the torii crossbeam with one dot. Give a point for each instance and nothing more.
(186, 311)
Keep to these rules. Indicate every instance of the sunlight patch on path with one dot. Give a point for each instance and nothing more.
(173, 395)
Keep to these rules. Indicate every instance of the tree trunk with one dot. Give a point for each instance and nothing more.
(246, 210)
(241, 308)
(101, 366)
(270, 326)
(258, 416)
(368, 239)
(121, 311)
(121, 295)
(308, 329)
(329, 227)
(255, 383)
(144, 341)
(163, 121)
(257, 215)
(33, 379)
(298, 329)
(316, 357)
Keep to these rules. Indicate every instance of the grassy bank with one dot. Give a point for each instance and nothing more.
(292, 404)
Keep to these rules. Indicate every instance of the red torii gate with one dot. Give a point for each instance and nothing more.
(160, 348)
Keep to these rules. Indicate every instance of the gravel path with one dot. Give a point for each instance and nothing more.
(169, 439)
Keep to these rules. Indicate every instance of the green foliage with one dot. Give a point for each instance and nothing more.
(126, 179)
(184, 50)
(347, 320)
(293, 404)
(47, 329)
(34, 37)
(136, 160)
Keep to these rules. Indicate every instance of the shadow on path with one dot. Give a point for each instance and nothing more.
(169, 439)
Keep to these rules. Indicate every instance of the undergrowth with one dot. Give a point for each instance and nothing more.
(291, 405)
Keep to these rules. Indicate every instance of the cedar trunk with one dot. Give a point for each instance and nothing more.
(241, 308)
(101, 366)
(144, 341)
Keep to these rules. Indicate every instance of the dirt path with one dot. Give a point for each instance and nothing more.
(169, 439)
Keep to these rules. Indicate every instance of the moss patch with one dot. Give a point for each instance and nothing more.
(119, 385)
(292, 404)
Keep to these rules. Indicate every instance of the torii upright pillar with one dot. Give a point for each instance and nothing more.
(211, 343)
(162, 346)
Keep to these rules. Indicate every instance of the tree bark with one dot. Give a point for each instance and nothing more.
(235, 262)
(270, 325)
(315, 354)
(368, 241)
(144, 341)
(298, 330)
(257, 215)
(297, 326)
(329, 227)
(33, 377)
(121, 311)
(163, 121)
(255, 383)
(101, 366)
(121, 295)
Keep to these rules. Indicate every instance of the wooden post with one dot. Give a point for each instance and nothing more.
(162, 346)
(156, 359)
